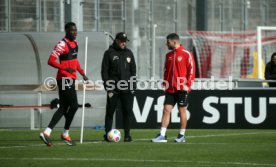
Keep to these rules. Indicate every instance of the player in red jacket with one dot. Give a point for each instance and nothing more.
(178, 75)
(66, 51)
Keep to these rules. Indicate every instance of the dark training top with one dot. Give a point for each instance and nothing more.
(118, 64)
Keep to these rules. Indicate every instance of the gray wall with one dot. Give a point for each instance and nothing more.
(19, 66)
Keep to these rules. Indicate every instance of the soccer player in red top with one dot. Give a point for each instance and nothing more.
(66, 51)
(178, 75)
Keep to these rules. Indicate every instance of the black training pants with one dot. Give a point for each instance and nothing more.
(68, 105)
(126, 100)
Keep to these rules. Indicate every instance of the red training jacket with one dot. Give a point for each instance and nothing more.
(62, 49)
(179, 69)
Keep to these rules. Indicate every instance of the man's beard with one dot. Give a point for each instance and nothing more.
(170, 48)
(70, 37)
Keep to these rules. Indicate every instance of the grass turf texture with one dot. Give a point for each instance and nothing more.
(208, 148)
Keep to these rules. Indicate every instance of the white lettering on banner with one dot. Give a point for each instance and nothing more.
(272, 100)
(213, 113)
(231, 102)
(248, 110)
(211, 110)
(142, 116)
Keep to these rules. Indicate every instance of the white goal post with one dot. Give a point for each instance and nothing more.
(240, 54)
(259, 45)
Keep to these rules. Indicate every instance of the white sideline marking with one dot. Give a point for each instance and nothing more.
(232, 134)
(39, 145)
(202, 136)
(218, 135)
(139, 160)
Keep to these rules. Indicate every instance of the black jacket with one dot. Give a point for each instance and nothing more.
(118, 64)
(270, 72)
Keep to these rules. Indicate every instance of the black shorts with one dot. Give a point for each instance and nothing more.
(181, 98)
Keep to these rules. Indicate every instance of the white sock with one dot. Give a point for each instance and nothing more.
(65, 132)
(48, 131)
(182, 131)
(163, 131)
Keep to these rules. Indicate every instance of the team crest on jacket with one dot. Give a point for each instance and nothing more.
(128, 59)
(179, 58)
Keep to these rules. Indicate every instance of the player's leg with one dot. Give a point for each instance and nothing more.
(62, 109)
(72, 100)
(63, 106)
(73, 107)
(168, 106)
(183, 117)
(57, 116)
(182, 101)
(127, 109)
(166, 117)
(111, 106)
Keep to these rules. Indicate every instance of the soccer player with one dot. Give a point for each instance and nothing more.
(118, 73)
(66, 51)
(179, 74)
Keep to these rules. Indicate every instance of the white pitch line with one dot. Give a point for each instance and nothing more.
(218, 135)
(39, 145)
(202, 136)
(141, 160)
(34, 145)
(232, 134)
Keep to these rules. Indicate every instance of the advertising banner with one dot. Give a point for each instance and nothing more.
(217, 109)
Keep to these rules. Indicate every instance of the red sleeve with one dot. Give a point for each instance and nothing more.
(165, 70)
(52, 62)
(190, 70)
(58, 50)
(80, 70)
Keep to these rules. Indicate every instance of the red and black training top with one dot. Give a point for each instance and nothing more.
(67, 52)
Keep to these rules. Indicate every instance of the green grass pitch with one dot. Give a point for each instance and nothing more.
(203, 148)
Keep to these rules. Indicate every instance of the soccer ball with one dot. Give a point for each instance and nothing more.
(114, 135)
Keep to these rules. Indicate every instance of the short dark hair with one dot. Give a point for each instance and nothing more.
(273, 54)
(69, 25)
(173, 36)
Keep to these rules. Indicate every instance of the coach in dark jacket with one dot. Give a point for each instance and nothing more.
(270, 70)
(119, 76)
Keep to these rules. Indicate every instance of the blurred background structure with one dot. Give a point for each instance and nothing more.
(147, 22)
(221, 34)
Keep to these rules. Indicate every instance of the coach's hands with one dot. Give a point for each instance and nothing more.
(70, 70)
(85, 77)
(110, 94)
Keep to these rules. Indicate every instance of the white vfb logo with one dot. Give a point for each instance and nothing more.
(141, 116)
